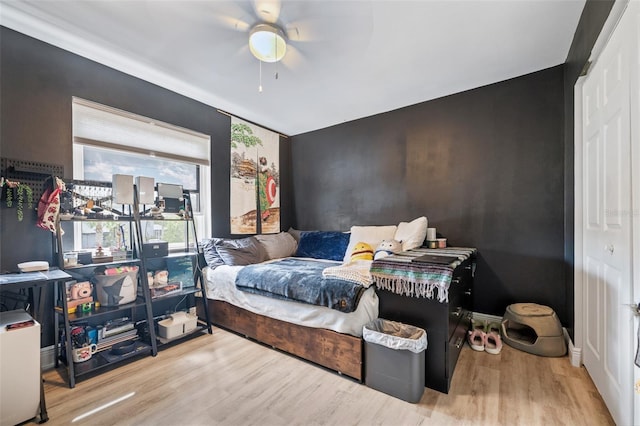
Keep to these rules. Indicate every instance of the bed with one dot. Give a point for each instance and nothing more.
(325, 336)
(319, 334)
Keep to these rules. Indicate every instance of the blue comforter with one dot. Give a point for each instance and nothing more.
(299, 280)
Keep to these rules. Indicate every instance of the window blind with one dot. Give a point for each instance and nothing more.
(102, 126)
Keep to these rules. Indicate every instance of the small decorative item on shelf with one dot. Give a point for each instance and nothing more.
(156, 212)
(78, 294)
(14, 191)
(119, 252)
(160, 278)
(101, 257)
(70, 259)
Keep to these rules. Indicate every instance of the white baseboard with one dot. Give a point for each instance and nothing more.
(575, 354)
(47, 357)
(486, 317)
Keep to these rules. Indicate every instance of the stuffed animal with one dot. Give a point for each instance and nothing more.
(362, 251)
(387, 248)
(160, 278)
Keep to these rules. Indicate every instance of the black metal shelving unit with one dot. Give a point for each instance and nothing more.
(142, 312)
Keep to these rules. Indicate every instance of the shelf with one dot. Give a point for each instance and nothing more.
(182, 263)
(184, 292)
(95, 265)
(164, 219)
(181, 253)
(102, 310)
(98, 219)
(99, 362)
(163, 341)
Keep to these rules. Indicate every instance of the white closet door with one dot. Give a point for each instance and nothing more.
(607, 275)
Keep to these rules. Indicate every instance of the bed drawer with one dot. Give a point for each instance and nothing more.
(339, 352)
(228, 316)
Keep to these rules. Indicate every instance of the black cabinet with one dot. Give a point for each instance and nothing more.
(446, 323)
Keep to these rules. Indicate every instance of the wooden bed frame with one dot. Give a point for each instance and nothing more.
(342, 353)
(446, 325)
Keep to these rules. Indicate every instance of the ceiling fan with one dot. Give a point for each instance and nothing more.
(286, 32)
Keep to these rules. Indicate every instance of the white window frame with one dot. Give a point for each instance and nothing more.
(199, 154)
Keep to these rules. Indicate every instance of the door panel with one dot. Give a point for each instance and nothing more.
(613, 355)
(593, 298)
(592, 195)
(608, 353)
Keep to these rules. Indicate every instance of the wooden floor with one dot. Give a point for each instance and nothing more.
(226, 379)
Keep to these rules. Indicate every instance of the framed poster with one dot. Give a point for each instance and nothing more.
(255, 179)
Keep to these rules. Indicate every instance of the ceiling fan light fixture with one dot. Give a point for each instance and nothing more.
(267, 43)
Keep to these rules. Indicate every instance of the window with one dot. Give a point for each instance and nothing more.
(107, 141)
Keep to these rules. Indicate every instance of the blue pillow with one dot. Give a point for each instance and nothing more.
(329, 245)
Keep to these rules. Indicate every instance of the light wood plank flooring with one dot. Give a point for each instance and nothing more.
(228, 380)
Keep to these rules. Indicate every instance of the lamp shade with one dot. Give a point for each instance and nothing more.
(267, 43)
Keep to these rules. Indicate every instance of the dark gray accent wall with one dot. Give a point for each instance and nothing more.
(491, 167)
(37, 83)
(593, 17)
(485, 166)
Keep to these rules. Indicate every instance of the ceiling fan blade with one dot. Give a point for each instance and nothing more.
(267, 10)
(233, 15)
(314, 29)
(294, 59)
(232, 23)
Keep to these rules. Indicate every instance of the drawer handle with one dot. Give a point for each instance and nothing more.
(468, 267)
(455, 281)
(457, 312)
(467, 293)
(459, 342)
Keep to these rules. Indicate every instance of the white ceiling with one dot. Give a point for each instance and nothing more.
(346, 59)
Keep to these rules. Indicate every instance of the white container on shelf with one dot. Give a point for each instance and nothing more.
(180, 323)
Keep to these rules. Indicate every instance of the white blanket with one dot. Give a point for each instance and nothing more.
(358, 272)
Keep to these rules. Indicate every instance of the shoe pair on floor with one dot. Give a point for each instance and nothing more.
(485, 336)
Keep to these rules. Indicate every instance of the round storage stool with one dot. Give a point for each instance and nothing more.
(533, 328)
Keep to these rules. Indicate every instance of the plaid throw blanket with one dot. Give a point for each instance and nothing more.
(398, 274)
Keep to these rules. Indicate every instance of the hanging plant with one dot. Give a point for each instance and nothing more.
(20, 191)
(9, 196)
(23, 190)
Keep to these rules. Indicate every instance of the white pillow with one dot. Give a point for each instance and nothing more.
(412, 234)
(372, 235)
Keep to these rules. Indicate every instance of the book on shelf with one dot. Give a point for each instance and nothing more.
(107, 342)
(167, 289)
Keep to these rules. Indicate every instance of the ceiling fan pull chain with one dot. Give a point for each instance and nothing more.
(260, 86)
(275, 43)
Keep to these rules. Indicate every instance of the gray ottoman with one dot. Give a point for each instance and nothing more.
(533, 328)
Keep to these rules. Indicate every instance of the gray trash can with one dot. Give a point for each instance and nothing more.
(394, 358)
